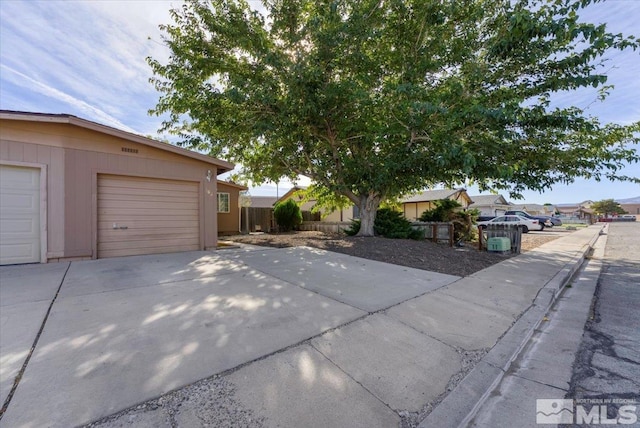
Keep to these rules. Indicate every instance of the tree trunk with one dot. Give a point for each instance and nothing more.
(368, 206)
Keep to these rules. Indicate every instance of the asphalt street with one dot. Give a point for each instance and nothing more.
(607, 367)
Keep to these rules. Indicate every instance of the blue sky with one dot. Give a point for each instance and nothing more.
(87, 58)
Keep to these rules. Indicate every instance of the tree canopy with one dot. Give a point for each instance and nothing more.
(374, 99)
(606, 207)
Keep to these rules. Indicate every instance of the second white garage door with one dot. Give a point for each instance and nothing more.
(146, 216)
(19, 215)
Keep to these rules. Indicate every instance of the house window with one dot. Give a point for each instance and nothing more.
(223, 202)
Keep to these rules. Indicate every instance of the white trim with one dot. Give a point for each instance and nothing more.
(228, 202)
(43, 201)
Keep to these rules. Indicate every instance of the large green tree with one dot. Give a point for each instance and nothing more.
(373, 99)
(606, 207)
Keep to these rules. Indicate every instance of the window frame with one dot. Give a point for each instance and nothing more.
(228, 210)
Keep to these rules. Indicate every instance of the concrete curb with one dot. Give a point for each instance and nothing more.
(461, 405)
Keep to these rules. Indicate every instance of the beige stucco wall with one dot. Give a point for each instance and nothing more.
(346, 214)
(413, 210)
(74, 157)
(631, 208)
(229, 223)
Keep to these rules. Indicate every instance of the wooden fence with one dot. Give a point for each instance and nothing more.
(309, 216)
(511, 231)
(436, 231)
(325, 226)
(259, 220)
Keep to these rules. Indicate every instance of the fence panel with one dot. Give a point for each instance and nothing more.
(309, 216)
(325, 226)
(259, 219)
(436, 231)
(511, 231)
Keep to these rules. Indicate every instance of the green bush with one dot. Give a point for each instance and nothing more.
(447, 210)
(287, 215)
(354, 228)
(390, 224)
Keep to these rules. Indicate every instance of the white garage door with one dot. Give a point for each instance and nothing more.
(146, 216)
(19, 215)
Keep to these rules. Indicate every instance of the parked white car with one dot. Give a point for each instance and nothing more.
(525, 223)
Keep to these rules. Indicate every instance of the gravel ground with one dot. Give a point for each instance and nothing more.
(416, 254)
(206, 403)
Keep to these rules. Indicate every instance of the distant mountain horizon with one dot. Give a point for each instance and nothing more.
(635, 200)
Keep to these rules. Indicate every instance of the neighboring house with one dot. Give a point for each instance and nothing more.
(414, 206)
(345, 214)
(573, 210)
(490, 205)
(263, 201)
(229, 207)
(534, 209)
(74, 189)
(631, 208)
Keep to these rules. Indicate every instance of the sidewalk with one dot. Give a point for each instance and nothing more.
(543, 370)
(438, 354)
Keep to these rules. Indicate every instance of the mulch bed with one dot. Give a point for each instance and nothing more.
(405, 252)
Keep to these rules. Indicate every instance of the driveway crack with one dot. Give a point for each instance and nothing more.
(18, 377)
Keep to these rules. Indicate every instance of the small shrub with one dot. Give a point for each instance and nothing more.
(390, 224)
(447, 210)
(287, 214)
(354, 228)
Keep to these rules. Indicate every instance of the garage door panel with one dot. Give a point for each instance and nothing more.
(17, 177)
(12, 228)
(139, 251)
(146, 197)
(111, 235)
(150, 223)
(19, 214)
(140, 185)
(154, 209)
(158, 216)
(150, 244)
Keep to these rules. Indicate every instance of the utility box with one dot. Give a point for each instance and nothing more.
(501, 245)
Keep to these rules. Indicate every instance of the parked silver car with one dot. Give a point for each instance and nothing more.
(525, 224)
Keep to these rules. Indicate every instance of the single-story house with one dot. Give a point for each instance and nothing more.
(74, 189)
(414, 206)
(229, 207)
(342, 215)
(534, 209)
(631, 208)
(263, 201)
(572, 210)
(490, 205)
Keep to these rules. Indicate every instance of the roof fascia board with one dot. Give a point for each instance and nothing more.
(222, 166)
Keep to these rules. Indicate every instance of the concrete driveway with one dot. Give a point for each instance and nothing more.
(122, 331)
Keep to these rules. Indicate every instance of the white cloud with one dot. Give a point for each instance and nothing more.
(91, 111)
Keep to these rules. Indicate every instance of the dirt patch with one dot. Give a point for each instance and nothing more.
(405, 252)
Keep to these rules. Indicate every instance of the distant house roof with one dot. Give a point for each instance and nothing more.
(263, 201)
(221, 166)
(531, 207)
(291, 192)
(586, 203)
(435, 195)
(488, 200)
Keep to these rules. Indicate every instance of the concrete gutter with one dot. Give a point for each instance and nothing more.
(460, 406)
